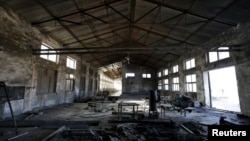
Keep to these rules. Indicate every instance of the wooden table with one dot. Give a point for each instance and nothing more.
(98, 105)
(165, 107)
(133, 105)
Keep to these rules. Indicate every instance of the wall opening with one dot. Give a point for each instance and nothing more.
(223, 89)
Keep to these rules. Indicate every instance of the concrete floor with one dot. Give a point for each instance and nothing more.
(79, 121)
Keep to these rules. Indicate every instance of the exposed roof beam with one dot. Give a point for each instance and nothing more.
(125, 51)
(109, 32)
(65, 27)
(81, 11)
(120, 50)
(147, 13)
(113, 48)
(191, 13)
(169, 19)
(211, 19)
(118, 12)
(67, 21)
(163, 35)
(91, 26)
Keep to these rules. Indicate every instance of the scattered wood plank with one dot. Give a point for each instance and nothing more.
(188, 130)
(17, 136)
(54, 133)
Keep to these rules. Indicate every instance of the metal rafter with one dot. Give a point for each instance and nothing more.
(105, 33)
(65, 27)
(89, 50)
(110, 28)
(146, 14)
(190, 13)
(151, 26)
(92, 27)
(78, 12)
(211, 19)
(172, 29)
(131, 19)
(108, 5)
(163, 35)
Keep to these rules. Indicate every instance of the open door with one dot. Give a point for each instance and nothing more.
(223, 89)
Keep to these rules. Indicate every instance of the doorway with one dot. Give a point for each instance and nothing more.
(224, 90)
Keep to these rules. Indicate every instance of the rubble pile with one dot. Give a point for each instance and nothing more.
(141, 132)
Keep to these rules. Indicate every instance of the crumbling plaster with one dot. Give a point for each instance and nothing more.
(239, 38)
(19, 67)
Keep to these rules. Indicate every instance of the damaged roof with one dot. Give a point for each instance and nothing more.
(144, 32)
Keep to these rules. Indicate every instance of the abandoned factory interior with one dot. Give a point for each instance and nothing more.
(123, 70)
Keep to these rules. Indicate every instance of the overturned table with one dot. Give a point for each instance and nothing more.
(134, 111)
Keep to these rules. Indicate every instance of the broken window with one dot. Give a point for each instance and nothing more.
(159, 74)
(71, 63)
(191, 83)
(219, 54)
(51, 57)
(190, 64)
(175, 84)
(146, 75)
(70, 82)
(175, 69)
(165, 72)
(166, 84)
(159, 85)
(131, 75)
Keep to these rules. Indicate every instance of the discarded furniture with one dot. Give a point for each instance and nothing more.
(165, 107)
(82, 134)
(101, 105)
(98, 105)
(113, 98)
(134, 106)
(185, 110)
(182, 104)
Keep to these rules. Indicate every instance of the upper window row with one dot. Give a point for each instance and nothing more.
(175, 69)
(132, 75)
(190, 84)
(51, 56)
(213, 56)
(219, 54)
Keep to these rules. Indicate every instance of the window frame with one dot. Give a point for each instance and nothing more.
(48, 56)
(159, 84)
(165, 72)
(146, 75)
(190, 63)
(175, 68)
(71, 79)
(166, 84)
(129, 75)
(71, 62)
(191, 85)
(218, 54)
(175, 84)
(159, 74)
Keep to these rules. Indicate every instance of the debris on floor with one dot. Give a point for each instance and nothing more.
(76, 122)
